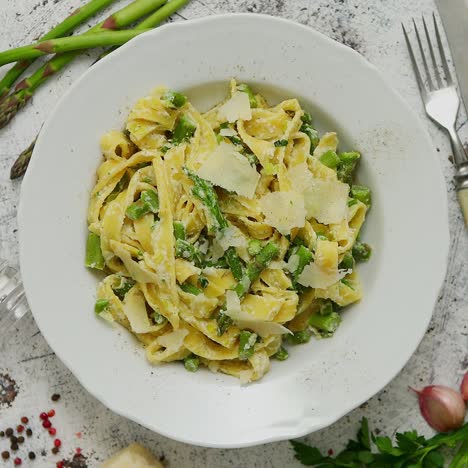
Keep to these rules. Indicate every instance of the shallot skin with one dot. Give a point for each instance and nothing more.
(442, 407)
(464, 387)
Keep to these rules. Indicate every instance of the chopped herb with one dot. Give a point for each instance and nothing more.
(164, 149)
(307, 128)
(253, 160)
(234, 139)
(279, 143)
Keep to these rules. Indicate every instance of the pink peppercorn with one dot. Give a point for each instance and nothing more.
(43, 416)
(57, 443)
(47, 424)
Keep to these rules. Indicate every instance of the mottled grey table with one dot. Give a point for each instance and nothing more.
(372, 27)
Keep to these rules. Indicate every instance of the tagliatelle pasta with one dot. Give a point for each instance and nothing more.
(225, 236)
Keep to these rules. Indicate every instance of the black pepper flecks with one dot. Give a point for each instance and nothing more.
(8, 390)
(78, 461)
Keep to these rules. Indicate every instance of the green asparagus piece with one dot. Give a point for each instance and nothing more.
(282, 354)
(330, 159)
(347, 263)
(326, 325)
(68, 44)
(310, 131)
(247, 342)
(361, 251)
(347, 166)
(122, 289)
(203, 281)
(121, 184)
(21, 163)
(326, 307)
(78, 17)
(158, 318)
(179, 230)
(245, 88)
(190, 288)
(26, 88)
(205, 192)
(174, 99)
(150, 22)
(254, 247)
(192, 363)
(234, 263)
(94, 258)
(184, 129)
(224, 322)
(352, 201)
(299, 337)
(148, 203)
(279, 143)
(305, 257)
(188, 251)
(362, 193)
(254, 269)
(101, 305)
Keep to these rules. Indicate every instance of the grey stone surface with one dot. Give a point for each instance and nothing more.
(372, 27)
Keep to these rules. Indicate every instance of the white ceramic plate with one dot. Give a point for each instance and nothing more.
(407, 226)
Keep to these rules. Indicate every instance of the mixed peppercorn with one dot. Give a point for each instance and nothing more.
(16, 437)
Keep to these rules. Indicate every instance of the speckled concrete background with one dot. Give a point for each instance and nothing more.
(372, 27)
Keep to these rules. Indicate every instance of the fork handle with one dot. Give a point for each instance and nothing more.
(463, 199)
(459, 154)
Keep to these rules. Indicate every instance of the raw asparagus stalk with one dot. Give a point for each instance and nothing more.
(21, 164)
(26, 88)
(67, 44)
(78, 17)
(150, 22)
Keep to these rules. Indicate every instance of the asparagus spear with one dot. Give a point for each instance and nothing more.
(21, 164)
(234, 263)
(205, 192)
(67, 44)
(94, 258)
(26, 88)
(151, 21)
(78, 17)
(255, 268)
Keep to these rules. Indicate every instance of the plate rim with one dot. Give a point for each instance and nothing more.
(444, 231)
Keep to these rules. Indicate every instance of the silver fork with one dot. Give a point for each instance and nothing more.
(13, 303)
(441, 102)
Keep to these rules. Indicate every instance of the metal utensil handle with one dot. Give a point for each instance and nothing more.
(13, 303)
(459, 154)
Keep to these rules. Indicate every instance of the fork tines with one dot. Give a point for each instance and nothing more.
(435, 67)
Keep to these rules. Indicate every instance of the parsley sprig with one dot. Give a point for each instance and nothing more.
(410, 450)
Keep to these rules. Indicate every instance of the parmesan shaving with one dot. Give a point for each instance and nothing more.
(173, 341)
(315, 277)
(137, 271)
(227, 132)
(283, 210)
(246, 320)
(134, 308)
(293, 263)
(229, 169)
(329, 142)
(327, 201)
(236, 108)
